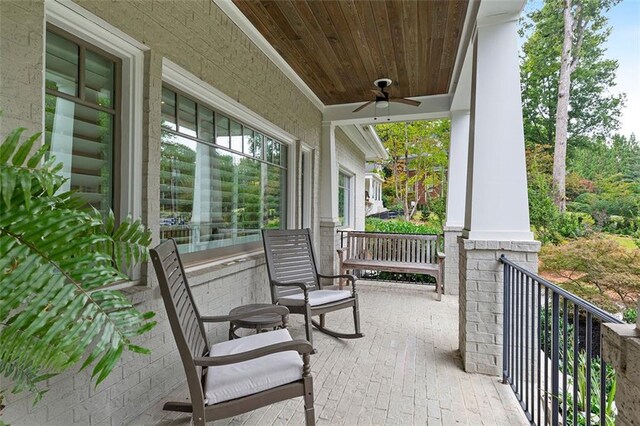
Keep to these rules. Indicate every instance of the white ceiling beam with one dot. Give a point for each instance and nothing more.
(431, 107)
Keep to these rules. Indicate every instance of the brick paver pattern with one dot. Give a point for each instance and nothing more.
(406, 370)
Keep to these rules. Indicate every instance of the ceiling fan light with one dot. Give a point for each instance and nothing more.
(382, 104)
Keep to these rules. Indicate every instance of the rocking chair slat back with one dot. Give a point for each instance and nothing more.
(183, 313)
(290, 259)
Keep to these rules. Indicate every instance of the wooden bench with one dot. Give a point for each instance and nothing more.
(404, 253)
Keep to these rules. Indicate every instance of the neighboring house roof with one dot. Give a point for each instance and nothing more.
(366, 140)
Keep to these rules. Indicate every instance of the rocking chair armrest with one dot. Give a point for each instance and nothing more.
(301, 346)
(350, 277)
(275, 309)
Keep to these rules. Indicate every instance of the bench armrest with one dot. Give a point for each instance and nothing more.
(275, 309)
(301, 346)
(441, 255)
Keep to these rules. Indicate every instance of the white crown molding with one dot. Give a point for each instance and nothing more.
(232, 11)
(190, 84)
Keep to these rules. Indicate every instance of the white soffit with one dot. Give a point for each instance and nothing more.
(232, 11)
(366, 140)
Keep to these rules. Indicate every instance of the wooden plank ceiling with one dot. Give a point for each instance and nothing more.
(340, 47)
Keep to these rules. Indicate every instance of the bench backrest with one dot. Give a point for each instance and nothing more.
(404, 248)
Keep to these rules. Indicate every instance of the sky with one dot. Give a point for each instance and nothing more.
(624, 46)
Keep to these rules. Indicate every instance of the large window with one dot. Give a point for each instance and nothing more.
(344, 200)
(220, 180)
(82, 115)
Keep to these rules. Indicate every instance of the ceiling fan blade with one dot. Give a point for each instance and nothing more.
(405, 101)
(366, 104)
(378, 92)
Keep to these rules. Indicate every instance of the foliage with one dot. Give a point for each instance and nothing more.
(398, 227)
(597, 269)
(57, 260)
(594, 109)
(580, 382)
(418, 158)
(630, 315)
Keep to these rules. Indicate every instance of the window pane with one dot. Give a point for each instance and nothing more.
(177, 179)
(205, 124)
(168, 109)
(236, 136)
(99, 79)
(62, 64)
(249, 145)
(276, 153)
(187, 116)
(222, 128)
(275, 198)
(269, 144)
(82, 140)
(258, 144)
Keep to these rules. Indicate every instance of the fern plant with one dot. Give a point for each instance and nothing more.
(57, 259)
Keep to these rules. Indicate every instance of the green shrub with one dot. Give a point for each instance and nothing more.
(630, 315)
(398, 226)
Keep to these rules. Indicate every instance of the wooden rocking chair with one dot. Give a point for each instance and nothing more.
(233, 377)
(295, 281)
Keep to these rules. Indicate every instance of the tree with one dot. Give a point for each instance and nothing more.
(57, 261)
(566, 79)
(418, 157)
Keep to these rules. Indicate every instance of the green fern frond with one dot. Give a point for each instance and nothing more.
(57, 259)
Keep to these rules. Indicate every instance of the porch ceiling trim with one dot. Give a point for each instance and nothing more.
(232, 11)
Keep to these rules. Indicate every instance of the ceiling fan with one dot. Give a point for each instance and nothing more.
(382, 96)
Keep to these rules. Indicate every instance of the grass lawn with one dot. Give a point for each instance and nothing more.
(626, 242)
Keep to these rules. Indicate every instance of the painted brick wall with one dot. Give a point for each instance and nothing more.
(481, 299)
(352, 160)
(196, 35)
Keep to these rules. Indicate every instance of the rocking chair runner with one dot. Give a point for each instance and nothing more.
(295, 283)
(232, 377)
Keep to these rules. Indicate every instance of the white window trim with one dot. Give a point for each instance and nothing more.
(351, 201)
(199, 90)
(306, 203)
(72, 18)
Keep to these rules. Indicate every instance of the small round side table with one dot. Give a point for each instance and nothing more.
(260, 323)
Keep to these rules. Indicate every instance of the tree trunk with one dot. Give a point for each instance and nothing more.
(562, 111)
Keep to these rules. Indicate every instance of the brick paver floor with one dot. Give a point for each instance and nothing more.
(406, 370)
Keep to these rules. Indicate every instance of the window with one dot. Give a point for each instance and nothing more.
(82, 115)
(344, 200)
(221, 181)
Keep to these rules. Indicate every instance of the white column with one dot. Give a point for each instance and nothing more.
(497, 206)
(328, 200)
(457, 177)
(328, 175)
(497, 211)
(456, 198)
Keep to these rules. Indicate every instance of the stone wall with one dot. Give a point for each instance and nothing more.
(621, 349)
(452, 261)
(481, 299)
(199, 37)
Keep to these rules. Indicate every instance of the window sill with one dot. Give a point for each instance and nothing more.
(201, 273)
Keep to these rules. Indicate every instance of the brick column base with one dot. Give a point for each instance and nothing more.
(452, 261)
(329, 242)
(480, 297)
(621, 349)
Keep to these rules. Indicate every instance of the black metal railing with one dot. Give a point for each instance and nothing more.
(552, 352)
